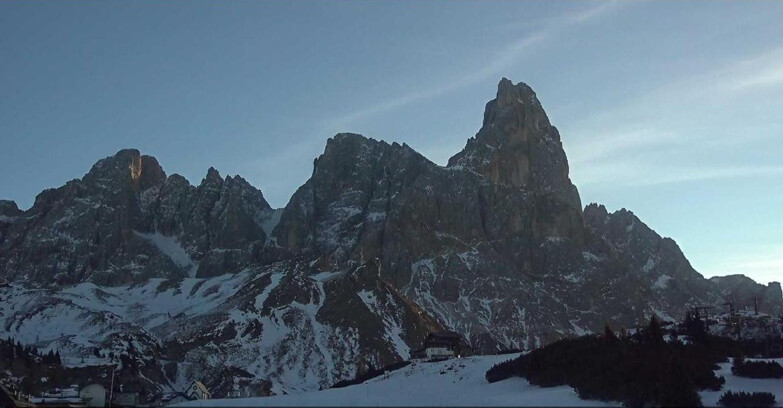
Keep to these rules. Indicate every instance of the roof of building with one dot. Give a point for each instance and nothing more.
(447, 333)
(438, 343)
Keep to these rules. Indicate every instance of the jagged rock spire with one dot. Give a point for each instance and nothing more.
(517, 145)
(127, 166)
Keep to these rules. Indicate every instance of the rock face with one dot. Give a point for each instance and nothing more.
(744, 292)
(378, 248)
(517, 146)
(661, 275)
(126, 221)
(495, 245)
(9, 212)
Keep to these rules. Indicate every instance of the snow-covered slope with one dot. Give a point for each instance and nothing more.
(291, 324)
(458, 382)
(736, 384)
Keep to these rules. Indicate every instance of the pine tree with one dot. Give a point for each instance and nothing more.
(736, 365)
(609, 335)
(653, 334)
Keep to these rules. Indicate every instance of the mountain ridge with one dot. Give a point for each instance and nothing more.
(378, 247)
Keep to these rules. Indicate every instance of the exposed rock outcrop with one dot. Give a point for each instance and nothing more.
(126, 221)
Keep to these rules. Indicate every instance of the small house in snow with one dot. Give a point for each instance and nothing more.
(441, 345)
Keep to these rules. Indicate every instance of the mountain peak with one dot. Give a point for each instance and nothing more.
(350, 141)
(9, 208)
(213, 176)
(511, 97)
(518, 146)
(141, 171)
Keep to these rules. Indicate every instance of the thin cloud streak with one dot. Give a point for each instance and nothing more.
(632, 150)
(763, 264)
(766, 71)
(505, 58)
(717, 86)
(502, 59)
(590, 149)
(701, 174)
(629, 173)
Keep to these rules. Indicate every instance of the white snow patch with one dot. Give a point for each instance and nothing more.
(275, 279)
(589, 256)
(649, 265)
(394, 331)
(554, 239)
(325, 276)
(662, 282)
(578, 330)
(375, 216)
(171, 248)
(734, 383)
(369, 300)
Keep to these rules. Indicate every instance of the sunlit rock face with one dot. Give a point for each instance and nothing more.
(517, 146)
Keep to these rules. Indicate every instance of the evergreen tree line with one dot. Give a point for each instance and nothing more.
(13, 354)
(756, 369)
(639, 370)
(744, 399)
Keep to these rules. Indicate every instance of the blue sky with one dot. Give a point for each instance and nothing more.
(673, 110)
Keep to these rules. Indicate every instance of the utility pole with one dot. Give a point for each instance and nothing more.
(111, 389)
(756, 305)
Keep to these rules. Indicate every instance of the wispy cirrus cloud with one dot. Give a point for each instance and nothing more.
(495, 66)
(763, 71)
(645, 140)
(631, 173)
(764, 264)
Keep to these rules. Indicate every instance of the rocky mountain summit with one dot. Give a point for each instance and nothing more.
(125, 221)
(379, 247)
(744, 292)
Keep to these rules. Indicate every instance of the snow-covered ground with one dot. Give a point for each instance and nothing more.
(77, 319)
(460, 382)
(733, 383)
(456, 382)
